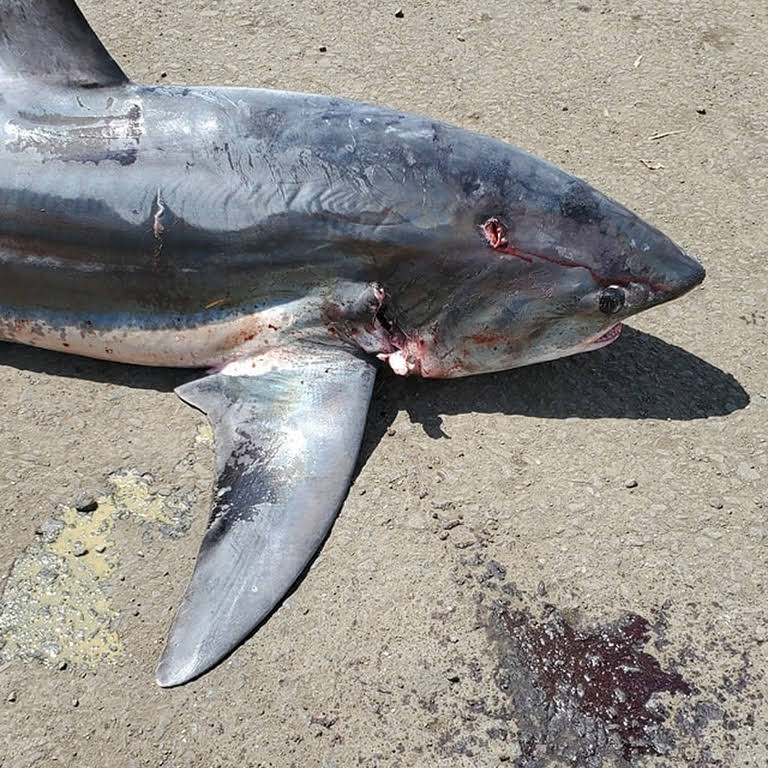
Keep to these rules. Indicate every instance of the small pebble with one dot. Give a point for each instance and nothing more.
(399, 13)
(51, 529)
(48, 574)
(322, 49)
(461, 38)
(79, 549)
(100, 548)
(541, 589)
(716, 503)
(630, 484)
(12, 696)
(701, 111)
(62, 666)
(85, 503)
(453, 677)
(75, 702)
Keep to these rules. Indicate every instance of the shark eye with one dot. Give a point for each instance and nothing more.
(612, 299)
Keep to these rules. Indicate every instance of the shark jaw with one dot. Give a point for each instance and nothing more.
(604, 339)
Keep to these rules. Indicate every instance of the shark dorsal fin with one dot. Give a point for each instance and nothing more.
(50, 41)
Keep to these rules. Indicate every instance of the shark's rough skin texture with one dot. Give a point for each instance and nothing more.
(286, 242)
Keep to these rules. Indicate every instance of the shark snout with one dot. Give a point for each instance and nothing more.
(683, 272)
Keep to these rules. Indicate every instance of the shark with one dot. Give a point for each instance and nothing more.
(287, 245)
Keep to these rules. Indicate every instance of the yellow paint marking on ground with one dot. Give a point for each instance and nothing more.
(90, 531)
(55, 606)
(204, 434)
(134, 494)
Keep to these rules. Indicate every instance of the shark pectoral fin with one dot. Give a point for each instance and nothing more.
(286, 444)
(50, 40)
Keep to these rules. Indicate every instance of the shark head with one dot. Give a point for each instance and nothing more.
(534, 267)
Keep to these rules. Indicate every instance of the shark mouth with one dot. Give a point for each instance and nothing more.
(610, 335)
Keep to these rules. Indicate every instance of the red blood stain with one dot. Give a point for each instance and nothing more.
(486, 339)
(602, 672)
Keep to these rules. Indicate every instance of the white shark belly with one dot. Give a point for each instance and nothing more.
(205, 345)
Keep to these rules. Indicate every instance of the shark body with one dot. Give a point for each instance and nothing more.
(288, 243)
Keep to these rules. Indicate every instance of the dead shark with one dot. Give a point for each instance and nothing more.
(288, 243)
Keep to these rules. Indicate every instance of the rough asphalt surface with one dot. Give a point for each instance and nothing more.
(560, 565)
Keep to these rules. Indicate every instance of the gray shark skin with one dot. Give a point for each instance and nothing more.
(288, 243)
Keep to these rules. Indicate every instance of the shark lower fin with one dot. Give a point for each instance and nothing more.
(287, 439)
(50, 41)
